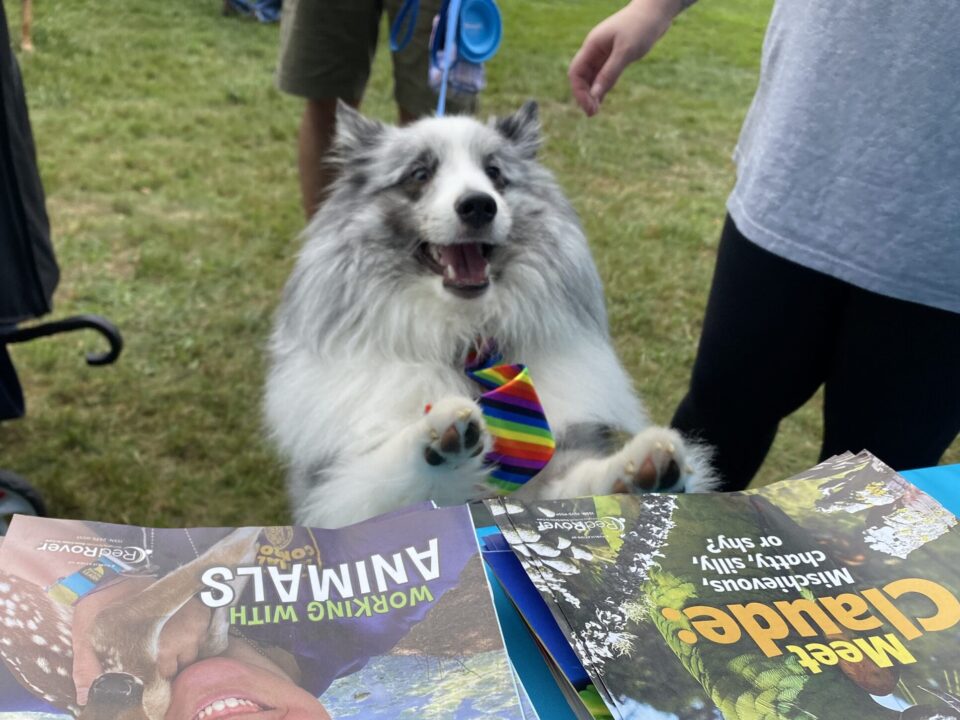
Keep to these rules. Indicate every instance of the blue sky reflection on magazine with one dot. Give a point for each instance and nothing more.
(633, 710)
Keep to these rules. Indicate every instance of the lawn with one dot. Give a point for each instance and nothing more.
(169, 162)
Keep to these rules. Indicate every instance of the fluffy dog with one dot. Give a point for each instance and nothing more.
(437, 236)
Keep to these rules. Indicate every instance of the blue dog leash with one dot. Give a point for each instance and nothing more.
(449, 22)
(405, 22)
(401, 32)
(452, 8)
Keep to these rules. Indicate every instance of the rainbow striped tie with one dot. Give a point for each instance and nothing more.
(522, 441)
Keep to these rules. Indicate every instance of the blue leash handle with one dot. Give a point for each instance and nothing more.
(453, 18)
(405, 22)
(401, 31)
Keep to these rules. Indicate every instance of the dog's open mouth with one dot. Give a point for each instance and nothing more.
(464, 267)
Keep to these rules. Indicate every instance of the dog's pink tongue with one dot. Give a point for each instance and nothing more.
(463, 264)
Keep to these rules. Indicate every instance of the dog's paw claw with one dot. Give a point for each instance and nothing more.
(456, 433)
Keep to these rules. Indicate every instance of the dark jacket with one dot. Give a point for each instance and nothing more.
(28, 268)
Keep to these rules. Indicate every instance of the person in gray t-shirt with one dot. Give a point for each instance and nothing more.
(839, 263)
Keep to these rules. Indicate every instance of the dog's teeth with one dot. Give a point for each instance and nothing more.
(449, 272)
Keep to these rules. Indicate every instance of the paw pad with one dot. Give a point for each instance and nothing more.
(456, 434)
(659, 471)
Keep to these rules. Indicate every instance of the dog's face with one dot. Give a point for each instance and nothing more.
(455, 190)
(448, 190)
(436, 234)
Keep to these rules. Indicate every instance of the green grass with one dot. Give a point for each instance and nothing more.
(170, 167)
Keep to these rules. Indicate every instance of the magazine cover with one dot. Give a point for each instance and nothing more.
(562, 662)
(391, 618)
(830, 595)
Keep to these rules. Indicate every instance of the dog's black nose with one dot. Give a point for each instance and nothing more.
(116, 689)
(476, 209)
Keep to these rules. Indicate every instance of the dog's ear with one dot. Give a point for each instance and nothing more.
(522, 128)
(355, 133)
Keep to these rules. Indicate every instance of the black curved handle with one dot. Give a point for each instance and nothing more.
(78, 322)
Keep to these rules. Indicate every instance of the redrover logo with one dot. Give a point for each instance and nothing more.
(130, 554)
(582, 525)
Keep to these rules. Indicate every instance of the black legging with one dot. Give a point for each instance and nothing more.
(774, 331)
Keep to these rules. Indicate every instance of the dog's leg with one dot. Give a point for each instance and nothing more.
(657, 459)
(437, 457)
(26, 42)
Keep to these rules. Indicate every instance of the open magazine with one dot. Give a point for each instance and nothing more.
(832, 595)
(390, 618)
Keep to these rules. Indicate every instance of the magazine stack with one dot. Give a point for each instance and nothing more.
(831, 595)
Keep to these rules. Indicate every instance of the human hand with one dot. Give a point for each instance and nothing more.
(180, 638)
(625, 36)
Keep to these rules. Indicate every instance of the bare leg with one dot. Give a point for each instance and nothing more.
(407, 117)
(26, 42)
(317, 130)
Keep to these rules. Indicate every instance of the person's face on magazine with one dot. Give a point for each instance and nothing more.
(225, 687)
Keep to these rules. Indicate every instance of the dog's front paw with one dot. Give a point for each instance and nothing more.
(456, 434)
(655, 460)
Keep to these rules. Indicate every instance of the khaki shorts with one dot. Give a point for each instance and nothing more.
(327, 48)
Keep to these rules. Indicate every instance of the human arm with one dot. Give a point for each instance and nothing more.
(614, 43)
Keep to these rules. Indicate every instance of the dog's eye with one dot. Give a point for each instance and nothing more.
(493, 172)
(420, 174)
